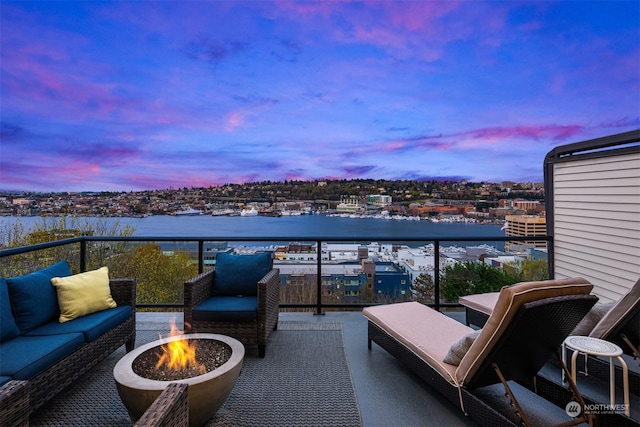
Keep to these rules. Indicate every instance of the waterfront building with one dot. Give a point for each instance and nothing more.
(380, 200)
(349, 204)
(525, 225)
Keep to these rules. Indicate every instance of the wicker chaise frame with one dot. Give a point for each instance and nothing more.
(200, 288)
(534, 335)
(47, 384)
(170, 409)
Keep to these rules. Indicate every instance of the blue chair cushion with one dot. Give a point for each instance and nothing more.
(227, 309)
(33, 297)
(4, 380)
(92, 325)
(25, 357)
(8, 327)
(240, 274)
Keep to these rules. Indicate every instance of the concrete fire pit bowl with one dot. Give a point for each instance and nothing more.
(207, 392)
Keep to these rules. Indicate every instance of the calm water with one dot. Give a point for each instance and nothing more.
(310, 226)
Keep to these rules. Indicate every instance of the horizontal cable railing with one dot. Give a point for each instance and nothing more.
(318, 305)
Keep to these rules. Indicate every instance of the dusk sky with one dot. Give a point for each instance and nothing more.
(125, 96)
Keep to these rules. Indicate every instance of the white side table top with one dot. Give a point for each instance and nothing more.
(592, 346)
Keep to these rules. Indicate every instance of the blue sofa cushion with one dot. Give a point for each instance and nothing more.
(227, 309)
(92, 325)
(8, 327)
(4, 380)
(240, 274)
(25, 357)
(34, 299)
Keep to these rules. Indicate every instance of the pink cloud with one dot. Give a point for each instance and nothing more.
(546, 132)
(233, 120)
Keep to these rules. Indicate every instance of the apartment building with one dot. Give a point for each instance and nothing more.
(525, 225)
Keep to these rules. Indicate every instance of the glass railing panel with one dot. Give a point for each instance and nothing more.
(316, 274)
(19, 264)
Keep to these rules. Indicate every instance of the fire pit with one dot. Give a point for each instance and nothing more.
(142, 374)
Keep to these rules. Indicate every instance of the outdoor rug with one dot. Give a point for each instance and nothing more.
(304, 380)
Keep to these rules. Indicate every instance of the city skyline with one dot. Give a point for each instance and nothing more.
(127, 96)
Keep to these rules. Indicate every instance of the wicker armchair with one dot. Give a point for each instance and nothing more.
(170, 409)
(202, 293)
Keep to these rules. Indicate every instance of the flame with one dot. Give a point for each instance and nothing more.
(179, 354)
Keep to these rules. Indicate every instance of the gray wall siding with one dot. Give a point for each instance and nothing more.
(597, 222)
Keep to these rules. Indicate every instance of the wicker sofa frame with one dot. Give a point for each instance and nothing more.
(533, 336)
(50, 382)
(170, 409)
(199, 289)
(14, 404)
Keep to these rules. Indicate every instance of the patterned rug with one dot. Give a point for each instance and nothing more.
(304, 380)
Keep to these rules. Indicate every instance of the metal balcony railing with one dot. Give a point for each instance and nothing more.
(318, 305)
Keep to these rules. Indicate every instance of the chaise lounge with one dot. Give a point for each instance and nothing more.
(617, 322)
(527, 326)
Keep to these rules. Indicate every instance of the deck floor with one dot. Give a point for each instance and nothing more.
(388, 393)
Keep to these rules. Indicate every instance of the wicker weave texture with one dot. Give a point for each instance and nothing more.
(200, 288)
(14, 404)
(170, 409)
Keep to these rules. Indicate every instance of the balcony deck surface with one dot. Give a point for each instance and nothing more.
(388, 393)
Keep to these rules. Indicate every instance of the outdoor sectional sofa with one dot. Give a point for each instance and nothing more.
(527, 326)
(39, 354)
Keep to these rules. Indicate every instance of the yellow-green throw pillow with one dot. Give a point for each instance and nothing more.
(83, 293)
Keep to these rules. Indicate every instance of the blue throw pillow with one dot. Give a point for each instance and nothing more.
(34, 298)
(8, 327)
(240, 274)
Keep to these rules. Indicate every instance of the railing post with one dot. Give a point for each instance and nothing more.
(318, 278)
(200, 256)
(83, 255)
(436, 273)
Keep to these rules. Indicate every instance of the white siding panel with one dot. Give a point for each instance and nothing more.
(612, 166)
(597, 222)
(622, 230)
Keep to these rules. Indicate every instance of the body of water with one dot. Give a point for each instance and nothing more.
(308, 226)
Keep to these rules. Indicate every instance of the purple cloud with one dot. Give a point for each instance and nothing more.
(306, 90)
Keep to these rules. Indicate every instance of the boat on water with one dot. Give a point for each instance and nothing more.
(270, 213)
(224, 212)
(249, 212)
(189, 212)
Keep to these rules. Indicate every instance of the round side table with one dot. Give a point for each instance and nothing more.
(601, 348)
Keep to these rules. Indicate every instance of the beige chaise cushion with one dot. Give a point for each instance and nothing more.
(483, 303)
(427, 332)
(619, 311)
(509, 302)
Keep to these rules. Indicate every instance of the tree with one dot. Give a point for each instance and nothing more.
(530, 270)
(160, 277)
(423, 288)
(470, 278)
(48, 229)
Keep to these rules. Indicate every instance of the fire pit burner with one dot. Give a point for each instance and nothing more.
(209, 355)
